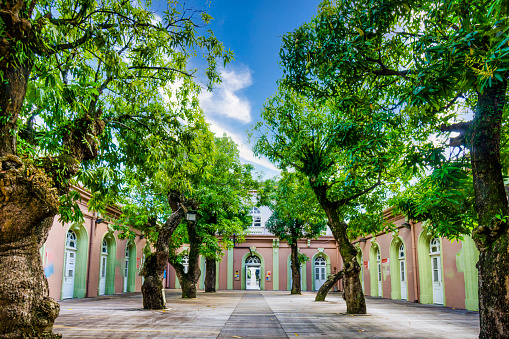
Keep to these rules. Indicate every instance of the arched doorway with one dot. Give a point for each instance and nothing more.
(130, 268)
(430, 269)
(107, 265)
(253, 273)
(71, 249)
(375, 270)
(436, 268)
(74, 275)
(402, 272)
(319, 272)
(103, 268)
(398, 269)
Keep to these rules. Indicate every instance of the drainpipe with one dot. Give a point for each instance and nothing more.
(94, 217)
(414, 263)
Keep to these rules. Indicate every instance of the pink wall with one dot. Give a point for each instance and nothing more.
(54, 252)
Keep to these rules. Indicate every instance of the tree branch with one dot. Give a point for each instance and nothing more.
(162, 69)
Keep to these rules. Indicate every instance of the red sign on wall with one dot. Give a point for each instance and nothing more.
(385, 261)
(366, 264)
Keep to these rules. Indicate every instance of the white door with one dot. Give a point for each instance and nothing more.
(68, 283)
(320, 272)
(379, 273)
(438, 291)
(126, 268)
(104, 262)
(69, 265)
(402, 272)
(252, 277)
(402, 279)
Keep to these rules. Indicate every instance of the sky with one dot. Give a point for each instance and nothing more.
(253, 31)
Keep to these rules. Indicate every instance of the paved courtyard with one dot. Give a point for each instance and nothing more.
(255, 314)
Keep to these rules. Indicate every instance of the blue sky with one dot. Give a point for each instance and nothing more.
(252, 30)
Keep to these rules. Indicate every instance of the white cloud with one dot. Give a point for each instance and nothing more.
(245, 151)
(225, 101)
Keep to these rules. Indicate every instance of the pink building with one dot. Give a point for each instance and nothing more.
(88, 259)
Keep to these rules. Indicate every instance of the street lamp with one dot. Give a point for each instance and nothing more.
(191, 215)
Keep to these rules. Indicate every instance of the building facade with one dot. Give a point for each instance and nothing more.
(87, 259)
(412, 264)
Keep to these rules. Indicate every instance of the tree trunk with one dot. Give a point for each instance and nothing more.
(327, 285)
(29, 201)
(210, 275)
(188, 280)
(152, 288)
(296, 288)
(492, 234)
(187, 284)
(353, 295)
(155, 263)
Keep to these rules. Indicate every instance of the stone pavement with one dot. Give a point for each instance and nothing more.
(254, 314)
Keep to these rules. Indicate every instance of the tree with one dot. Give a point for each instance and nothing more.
(221, 199)
(427, 60)
(345, 148)
(224, 207)
(295, 215)
(64, 67)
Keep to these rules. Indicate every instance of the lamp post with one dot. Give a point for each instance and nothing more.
(191, 215)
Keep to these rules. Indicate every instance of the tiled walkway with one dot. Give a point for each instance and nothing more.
(254, 314)
(252, 318)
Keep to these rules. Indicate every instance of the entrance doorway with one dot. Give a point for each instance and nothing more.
(436, 271)
(320, 272)
(253, 273)
(70, 265)
(104, 262)
(126, 267)
(402, 272)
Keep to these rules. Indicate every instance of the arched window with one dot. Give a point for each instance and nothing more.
(104, 248)
(434, 246)
(401, 251)
(253, 260)
(257, 216)
(320, 261)
(71, 240)
(185, 263)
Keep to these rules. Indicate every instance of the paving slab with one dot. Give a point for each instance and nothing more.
(255, 314)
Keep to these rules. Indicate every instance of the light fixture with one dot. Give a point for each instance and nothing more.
(406, 224)
(362, 240)
(100, 220)
(191, 215)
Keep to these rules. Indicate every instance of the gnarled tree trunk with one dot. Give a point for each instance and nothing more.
(155, 263)
(210, 275)
(353, 295)
(189, 280)
(296, 288)
(29, 194)
(492, 234)
(327, 285)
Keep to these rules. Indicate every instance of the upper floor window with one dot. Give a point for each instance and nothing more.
(257, 217)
